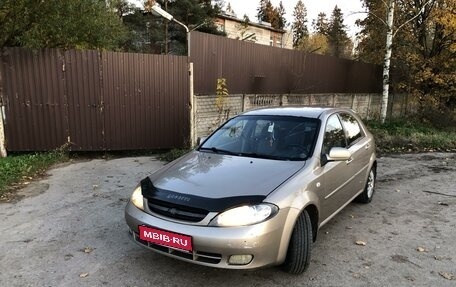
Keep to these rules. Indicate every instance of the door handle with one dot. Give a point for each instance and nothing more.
(348, 161)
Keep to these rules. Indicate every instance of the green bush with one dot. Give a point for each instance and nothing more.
(17, 167)
(406, 135)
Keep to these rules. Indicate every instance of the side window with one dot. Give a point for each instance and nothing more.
(352, 129)
(334, 135)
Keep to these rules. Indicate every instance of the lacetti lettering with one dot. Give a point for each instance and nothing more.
(178, 197)
(166, 238)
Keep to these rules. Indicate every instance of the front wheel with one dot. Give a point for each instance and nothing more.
(299, 248)
(369, 189)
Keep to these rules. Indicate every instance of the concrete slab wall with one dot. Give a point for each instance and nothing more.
(209, 116)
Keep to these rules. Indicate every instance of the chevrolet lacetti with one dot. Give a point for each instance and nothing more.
(257, 190)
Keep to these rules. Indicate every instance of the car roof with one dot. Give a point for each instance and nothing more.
(308, 112)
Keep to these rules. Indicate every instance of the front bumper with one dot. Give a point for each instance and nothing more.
(267, 242)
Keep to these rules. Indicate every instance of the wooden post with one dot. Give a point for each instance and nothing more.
(2, 134)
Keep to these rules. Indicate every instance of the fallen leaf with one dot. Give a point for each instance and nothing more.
(83, 275)
(398, 190)
(348, 227)
(88, 249)
(443, 203)
(360, 242)
(447, 275)
(410, 278)
(421, 249)
(356, 275)
(352, 216)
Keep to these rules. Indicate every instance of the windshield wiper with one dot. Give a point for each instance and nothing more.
(265, 156)
(217, 150)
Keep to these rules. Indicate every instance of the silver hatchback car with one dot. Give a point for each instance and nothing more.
(257, 190)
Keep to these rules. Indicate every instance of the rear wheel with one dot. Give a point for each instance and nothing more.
(369, 189)
(299, 248)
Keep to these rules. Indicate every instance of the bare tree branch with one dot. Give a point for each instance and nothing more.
(413, 18)
(370, 13)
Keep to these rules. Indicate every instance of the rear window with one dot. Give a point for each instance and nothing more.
(352, 129)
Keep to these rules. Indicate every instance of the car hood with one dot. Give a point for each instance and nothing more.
(217, 176)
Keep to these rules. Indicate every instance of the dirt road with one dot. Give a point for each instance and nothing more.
(69, 230)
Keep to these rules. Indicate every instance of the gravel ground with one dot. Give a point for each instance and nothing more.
(68, 230)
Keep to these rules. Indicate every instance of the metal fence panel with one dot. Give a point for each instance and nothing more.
(94, 100)
(35, 99)
(83, 89)
(149, 111)
(257, 69)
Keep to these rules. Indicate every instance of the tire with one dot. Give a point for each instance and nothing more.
(369, 189)
(299, 248)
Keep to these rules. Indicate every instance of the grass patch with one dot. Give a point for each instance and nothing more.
(20, 167)
(412, 136)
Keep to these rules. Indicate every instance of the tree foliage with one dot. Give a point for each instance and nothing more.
(424, 58)
(84, 24)
(321, 25)
(315, 43)
(195, 14)
(244, 32)
(266, 12)
(299, 26)
(109, 24)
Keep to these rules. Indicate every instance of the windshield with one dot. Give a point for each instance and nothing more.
(272, 137)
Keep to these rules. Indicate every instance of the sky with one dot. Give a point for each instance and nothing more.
(313, 7)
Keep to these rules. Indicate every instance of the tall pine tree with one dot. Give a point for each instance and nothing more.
(321, 25)
(299, 26)
(337, 35)
(266, 12)
(282, 22)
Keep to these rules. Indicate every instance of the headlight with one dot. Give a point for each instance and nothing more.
(245, 215)
(137, 198)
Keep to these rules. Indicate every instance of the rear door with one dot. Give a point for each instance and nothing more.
(360, 147)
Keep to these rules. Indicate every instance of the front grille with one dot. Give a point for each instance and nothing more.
(176, 211)
(200, 256)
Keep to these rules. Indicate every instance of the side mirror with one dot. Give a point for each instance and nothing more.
(338, 154)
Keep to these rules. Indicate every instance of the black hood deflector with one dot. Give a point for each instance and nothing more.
(209, 204)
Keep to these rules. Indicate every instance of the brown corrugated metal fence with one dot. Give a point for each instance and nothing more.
(256, 69)
(122, 101)
(94, 100)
